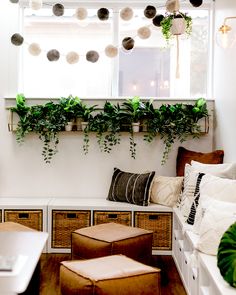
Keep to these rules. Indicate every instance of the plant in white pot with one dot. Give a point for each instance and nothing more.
(68, 106)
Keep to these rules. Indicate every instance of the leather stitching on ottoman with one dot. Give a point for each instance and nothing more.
(112, 238)
(110, 275)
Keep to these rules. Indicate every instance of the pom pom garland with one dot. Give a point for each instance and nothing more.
(81, 13)
(17, 39)
(35, 4)
(126, 13)
(144, 32)
(58, 9)
(53, 55)
(72, 57)
(150, 11)
(92, 56)
(34, 49)
(111, 51)
(128, 43)
(103, 14)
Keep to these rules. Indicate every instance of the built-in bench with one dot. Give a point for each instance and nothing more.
(60, 216)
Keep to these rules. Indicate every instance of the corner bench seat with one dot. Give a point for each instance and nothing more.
(198, 271)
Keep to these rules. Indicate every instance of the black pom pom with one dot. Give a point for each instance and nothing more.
(150, 11)
(17, 39)
(128, 43)
(58, 9)
(196, 3)
(157, 20)
(103, 14)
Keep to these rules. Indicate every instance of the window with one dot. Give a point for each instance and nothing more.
(148, 70)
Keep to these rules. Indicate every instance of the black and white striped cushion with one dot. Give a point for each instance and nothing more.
(130, 187)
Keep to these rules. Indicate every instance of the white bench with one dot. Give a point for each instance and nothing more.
(198, 271)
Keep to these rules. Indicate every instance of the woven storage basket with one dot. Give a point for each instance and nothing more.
(30, 218)
(112, 216)
(64, 223)
(160, 224)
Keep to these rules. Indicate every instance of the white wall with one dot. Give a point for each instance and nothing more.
(71, 174)
(225, 85)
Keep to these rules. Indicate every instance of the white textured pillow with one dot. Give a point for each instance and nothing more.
(191, 179)
(214, 224)
(226, 170)
(206, 202)
(218, 188)
(166, 190)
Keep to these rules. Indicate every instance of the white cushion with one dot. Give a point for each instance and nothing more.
(218, 188)
(213, 225)
(226, 170)
(206, 202)
(166, 190)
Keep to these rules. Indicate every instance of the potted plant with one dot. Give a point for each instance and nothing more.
(68, 105)
(176, 23)
(84, 112)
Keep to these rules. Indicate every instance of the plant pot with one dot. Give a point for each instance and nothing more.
(69, 126)
(178, 26)
(84, 125)
(135, 127)
(78, 124)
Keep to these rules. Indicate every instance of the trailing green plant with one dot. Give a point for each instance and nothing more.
(172, 122)
(166, 24)
(22, 110)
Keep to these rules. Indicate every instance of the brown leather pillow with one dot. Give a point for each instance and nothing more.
(186, 156)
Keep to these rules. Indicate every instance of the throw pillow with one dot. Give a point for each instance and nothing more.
(166, 190)
(214, 224)
(192, 181)
(130, 187)
(226, 170)
(185, 156)
(206, 202)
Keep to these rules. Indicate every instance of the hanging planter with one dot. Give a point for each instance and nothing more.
(178, 25)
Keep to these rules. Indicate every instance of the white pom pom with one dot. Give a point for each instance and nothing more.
(172, 5)
(72, 57)
(111, 51)
(35, 4)
(81, 13)
(144, 32)
(126, 13)
(34, 49)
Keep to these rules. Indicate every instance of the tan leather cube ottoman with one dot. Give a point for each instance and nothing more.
(110, 239)
(110, 275)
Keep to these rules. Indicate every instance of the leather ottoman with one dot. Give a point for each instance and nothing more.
(110, 239)
(110, 275)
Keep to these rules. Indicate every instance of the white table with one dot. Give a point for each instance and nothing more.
(28, 247)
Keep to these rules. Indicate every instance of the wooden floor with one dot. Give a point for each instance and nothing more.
(49, 276)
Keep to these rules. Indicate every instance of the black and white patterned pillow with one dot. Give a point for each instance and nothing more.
(130, 187)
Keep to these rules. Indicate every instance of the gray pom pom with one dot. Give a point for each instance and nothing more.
(92, 56)
(14, 1)
(53, 55)
(17, 39)
(103, 14)
(128, 43)
(58, 9)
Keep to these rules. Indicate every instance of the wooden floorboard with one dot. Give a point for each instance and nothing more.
(50, 264)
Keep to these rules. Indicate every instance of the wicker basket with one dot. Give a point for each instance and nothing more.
(112, 216)
(64, 223)
(160, 224)
(30, 218)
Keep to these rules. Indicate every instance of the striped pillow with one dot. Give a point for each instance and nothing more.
(130, 187)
